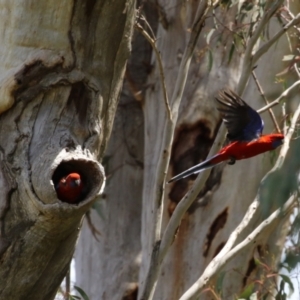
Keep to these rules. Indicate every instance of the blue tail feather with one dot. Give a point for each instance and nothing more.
(196, 169)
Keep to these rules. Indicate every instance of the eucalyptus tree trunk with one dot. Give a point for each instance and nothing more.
(107, 265)
(61, 70)
(117, 266)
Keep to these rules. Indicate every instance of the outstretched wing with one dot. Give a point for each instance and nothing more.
(243, 123)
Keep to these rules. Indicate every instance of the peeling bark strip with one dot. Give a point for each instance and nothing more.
(57, 108)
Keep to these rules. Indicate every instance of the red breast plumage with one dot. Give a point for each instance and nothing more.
(69, 188)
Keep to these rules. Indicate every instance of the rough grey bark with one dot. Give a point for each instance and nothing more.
(228, 192)
(61, 72)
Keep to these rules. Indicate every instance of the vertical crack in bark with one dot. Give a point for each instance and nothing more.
(131, 291)
(80, 97)
(252, 265)
(11, 185)
(190, 147)
(219, 248)
(215, 227)
(250, 269)
(38, 106)
(89, 7)
(70, 36)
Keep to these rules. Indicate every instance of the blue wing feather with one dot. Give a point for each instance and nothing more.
(242, 122)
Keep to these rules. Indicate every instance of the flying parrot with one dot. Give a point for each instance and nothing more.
(70, 188)
(244, 126)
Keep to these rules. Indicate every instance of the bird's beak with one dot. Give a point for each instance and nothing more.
(77, 182)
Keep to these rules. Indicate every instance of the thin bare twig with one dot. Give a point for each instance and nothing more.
(297, 70)
(249, 62)
(68, 284)
(287, 139)
(285, 126)
(161, 69)
(95, 232)
(148, 26)
(291, 15)
(266, 101)
(265, 47)
(280, 98)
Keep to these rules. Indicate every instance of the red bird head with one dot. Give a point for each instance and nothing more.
(277, 139)
(70, 188)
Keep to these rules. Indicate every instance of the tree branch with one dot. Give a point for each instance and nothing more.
(265, 47)
(266, 101)
(219, 261)
(161, 69)
(279, 99)
(287, 139)
(248, 59)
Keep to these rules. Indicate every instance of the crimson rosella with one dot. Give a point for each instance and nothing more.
(244, 126)
(70, 188)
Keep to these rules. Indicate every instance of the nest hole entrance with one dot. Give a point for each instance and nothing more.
(78, 190)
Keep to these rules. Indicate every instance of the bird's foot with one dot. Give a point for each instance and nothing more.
(231, 160)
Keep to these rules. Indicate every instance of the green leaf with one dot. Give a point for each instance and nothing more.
(219, 282)
(81, 292)
(73, 297)
(232, 49)
(210, 60)
(248, 291)
(296, 226)
(281, 295)
(292, 259)
(288, 57)
(209, 35)
(97, 207)
(287, 280)
(253, 296)
(225, 2)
